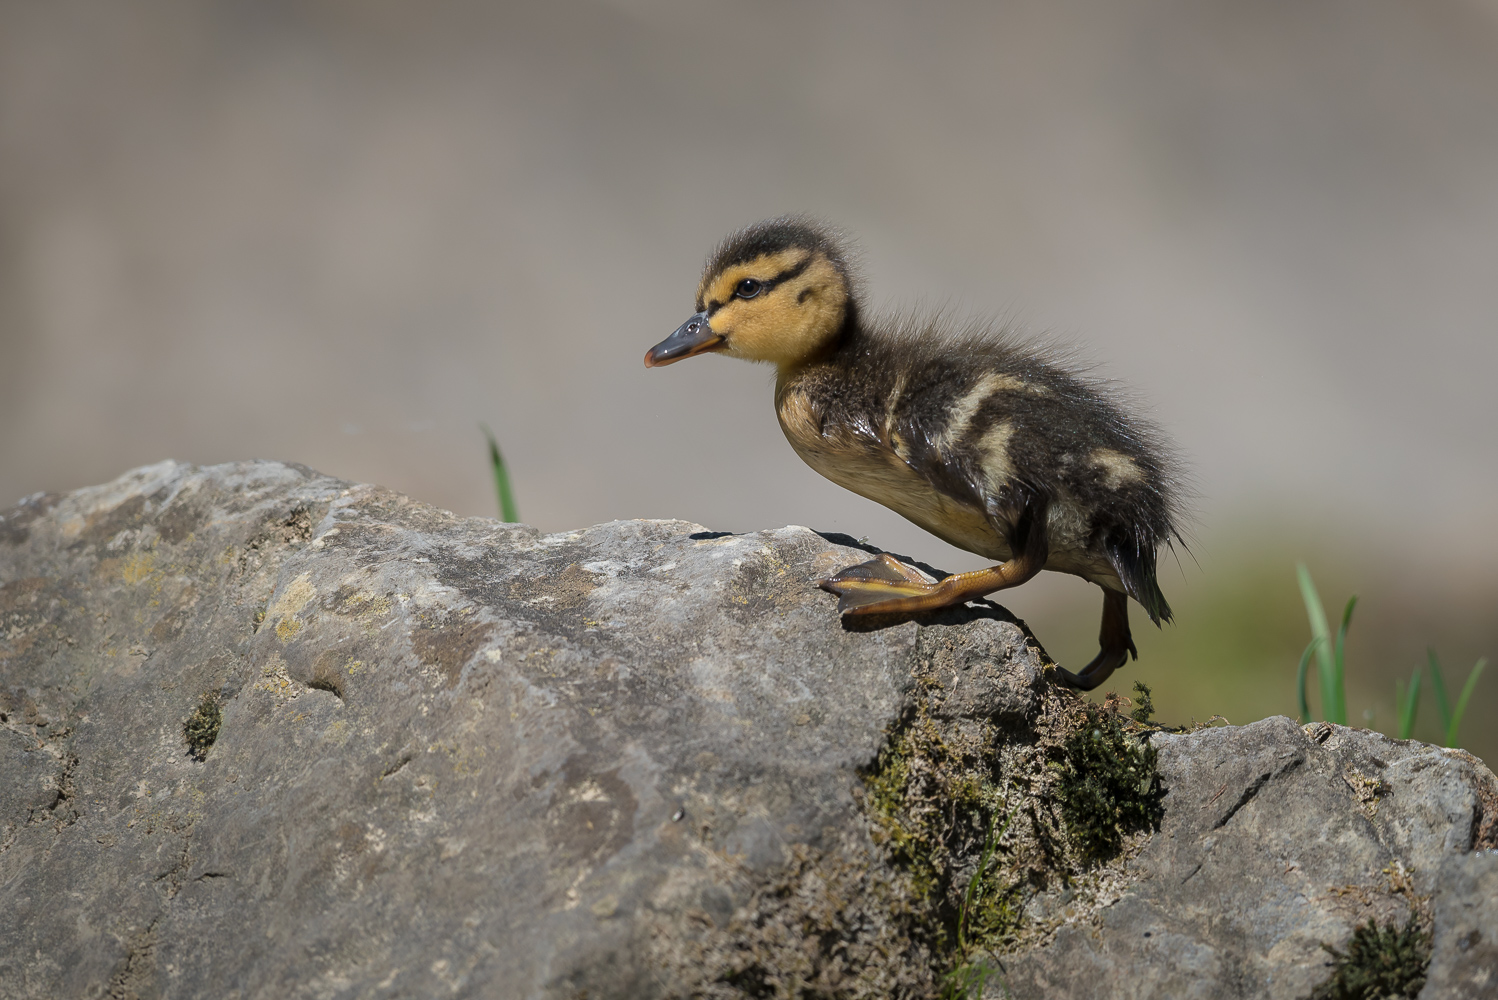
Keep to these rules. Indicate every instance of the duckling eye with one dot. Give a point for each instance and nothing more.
(748, 288)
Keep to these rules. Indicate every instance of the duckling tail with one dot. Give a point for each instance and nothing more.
(1135, 565)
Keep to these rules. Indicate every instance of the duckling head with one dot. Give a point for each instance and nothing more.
(779, 291)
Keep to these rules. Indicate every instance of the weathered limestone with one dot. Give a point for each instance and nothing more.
(461, 758)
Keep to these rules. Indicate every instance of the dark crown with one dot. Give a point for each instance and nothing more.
(775, 235)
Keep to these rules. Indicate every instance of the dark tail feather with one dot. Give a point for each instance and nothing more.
(1135, 566)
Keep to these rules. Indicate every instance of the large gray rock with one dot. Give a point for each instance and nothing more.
(461, 758)
(1465, 963)
(1277, 839)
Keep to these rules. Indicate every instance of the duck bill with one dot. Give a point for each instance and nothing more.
(695, 336)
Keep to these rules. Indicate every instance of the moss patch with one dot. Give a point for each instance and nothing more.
(202, 726)
(992, 827)
(1110, 784)
(1380, 962)
(829, 926)
(987, 835)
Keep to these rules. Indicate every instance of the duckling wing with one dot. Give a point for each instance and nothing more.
(967, 443)
(1009, 434)
(1028, 436)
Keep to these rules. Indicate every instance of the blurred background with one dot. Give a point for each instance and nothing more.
(344, 233)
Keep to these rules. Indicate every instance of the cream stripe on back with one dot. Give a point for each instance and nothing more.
(963, 411)
(891, 403)
(1118, 469)
(993, 447)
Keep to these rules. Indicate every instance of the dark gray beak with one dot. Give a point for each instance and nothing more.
(695, 336)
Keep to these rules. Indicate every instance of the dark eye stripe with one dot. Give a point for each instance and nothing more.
(769, 284)
(787, 274)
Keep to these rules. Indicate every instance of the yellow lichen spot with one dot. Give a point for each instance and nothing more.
(137, 567)
(354, 667)
(774, 561)
(366, 607)
(275, 681)
(297, 595)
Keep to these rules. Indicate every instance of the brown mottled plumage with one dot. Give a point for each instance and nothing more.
(988, 443)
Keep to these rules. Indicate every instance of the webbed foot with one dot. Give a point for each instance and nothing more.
(881, 584)
(885, 585)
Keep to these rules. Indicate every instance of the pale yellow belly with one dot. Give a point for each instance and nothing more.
(894, 484)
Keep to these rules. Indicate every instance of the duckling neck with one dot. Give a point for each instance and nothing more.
(848, 331)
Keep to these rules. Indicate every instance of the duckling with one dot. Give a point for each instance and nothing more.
(991, 445)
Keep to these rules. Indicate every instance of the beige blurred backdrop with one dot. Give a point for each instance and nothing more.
(344, 233)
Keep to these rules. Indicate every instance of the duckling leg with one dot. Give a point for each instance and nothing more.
(1115, 642)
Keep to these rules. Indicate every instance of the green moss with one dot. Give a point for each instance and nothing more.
(825, 927)
(1380, 962)
(1110, 784)
(972, 818)
(986, 839)
(1144, 705)
(202, 726)
(933, 797)
(938, 810)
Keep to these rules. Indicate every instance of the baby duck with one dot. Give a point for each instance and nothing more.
(986, 443)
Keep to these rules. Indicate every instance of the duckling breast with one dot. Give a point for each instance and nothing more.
(864, 453)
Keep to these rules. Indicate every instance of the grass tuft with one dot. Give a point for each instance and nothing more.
(508, 512)
(1451, 719)
(1330, 660)
(1407, 704)
(1331, 663)
(1380, 962)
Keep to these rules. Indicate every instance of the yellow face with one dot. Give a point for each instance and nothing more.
(781, 307)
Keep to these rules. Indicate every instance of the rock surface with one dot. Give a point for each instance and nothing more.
(461, 758)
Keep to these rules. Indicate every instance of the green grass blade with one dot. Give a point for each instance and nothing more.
(507, 510)
(1300, 680)
(1461, 703)
(974, 884)
(1443, 703)
(1338, 660)
(1321, 634)
(1408, 705)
